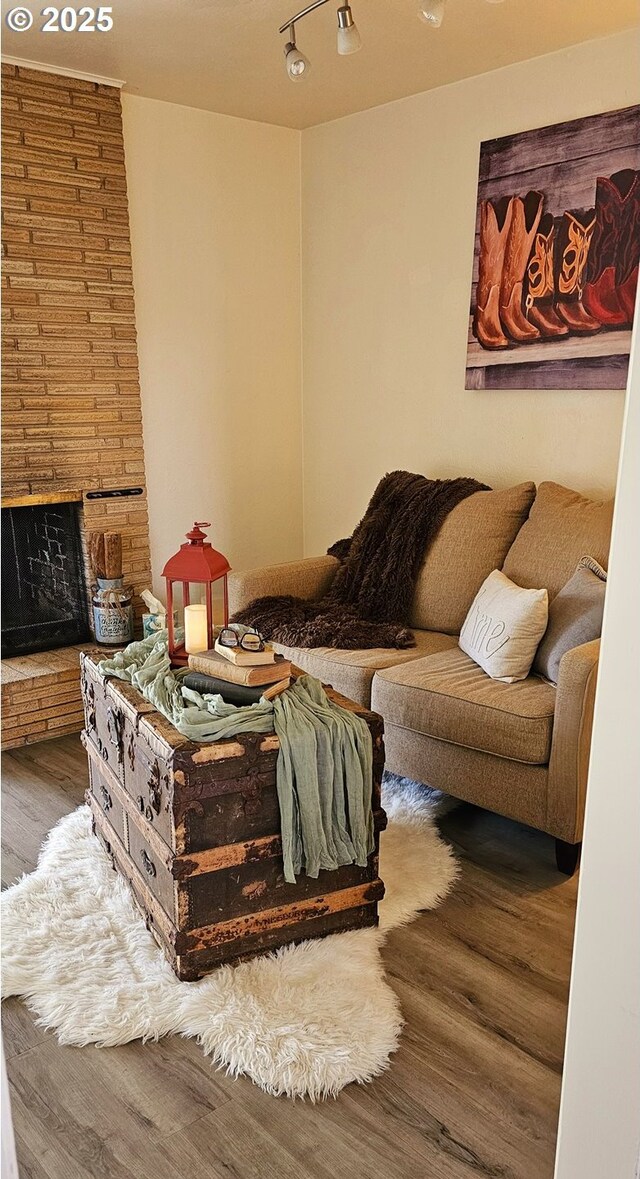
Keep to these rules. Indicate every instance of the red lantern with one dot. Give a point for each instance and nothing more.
(196, 561)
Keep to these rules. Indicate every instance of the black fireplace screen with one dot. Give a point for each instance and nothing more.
(44, 594)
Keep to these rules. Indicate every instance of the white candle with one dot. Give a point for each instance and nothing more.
(195, 629)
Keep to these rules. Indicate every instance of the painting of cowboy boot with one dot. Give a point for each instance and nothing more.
(574, 234)
(495, 222)
(556, 256)
(540, 283)
(525, 217)
(613, 267)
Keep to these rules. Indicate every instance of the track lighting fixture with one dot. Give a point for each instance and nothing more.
(298, 66)
(348, 38)
(348, 35)
(432, 12)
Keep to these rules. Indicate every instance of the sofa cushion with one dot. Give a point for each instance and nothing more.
(447, 696)
(503, 628)
(575, 617)
(562, 526)
(474, 539)
(351, 672)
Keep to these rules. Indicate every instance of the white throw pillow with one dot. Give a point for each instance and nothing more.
(504, 626)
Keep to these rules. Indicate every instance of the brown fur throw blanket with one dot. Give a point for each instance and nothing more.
(369, 601)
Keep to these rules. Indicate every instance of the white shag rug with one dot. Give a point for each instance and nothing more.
(304, 1021)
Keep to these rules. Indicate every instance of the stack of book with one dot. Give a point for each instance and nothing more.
(239, 676)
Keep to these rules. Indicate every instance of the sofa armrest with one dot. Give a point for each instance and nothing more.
(306, 579)
(571, 743)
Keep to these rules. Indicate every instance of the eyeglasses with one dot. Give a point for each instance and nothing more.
(249, 640)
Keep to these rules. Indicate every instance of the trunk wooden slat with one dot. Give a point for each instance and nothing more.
(195, 830)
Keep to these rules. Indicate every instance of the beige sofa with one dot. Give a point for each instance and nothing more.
(519, 749)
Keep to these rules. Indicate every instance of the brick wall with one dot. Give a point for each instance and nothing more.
(71, 416)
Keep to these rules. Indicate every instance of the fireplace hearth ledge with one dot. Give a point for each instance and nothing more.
(41, 695)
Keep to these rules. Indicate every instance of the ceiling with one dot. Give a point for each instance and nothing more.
(226, 55)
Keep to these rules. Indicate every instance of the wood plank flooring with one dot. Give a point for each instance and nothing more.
(473, 1090)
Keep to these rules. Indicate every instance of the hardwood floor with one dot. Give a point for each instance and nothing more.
(473, 1090)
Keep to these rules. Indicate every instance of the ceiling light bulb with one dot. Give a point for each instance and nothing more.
(348, 35)
(432, 12)
(297, 64)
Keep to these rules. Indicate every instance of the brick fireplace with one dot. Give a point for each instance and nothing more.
(71, 415)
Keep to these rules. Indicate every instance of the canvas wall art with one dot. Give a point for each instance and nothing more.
(556, 256)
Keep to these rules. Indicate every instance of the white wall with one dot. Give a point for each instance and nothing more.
(389, 199)
(215, 226)
(599, 1133)
(9, 1163)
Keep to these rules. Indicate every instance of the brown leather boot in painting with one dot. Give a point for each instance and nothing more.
(574, 231)
(628, 248)
(539, 289)
(525, 218)
(495, 221)
(612, 273)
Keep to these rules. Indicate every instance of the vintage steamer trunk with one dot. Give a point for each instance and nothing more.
(194, 829)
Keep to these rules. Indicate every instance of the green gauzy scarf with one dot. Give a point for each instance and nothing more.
(324, 768)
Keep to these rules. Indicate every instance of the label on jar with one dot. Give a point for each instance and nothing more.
(113, 625)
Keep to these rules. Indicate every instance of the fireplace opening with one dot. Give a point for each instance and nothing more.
(44, 593)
